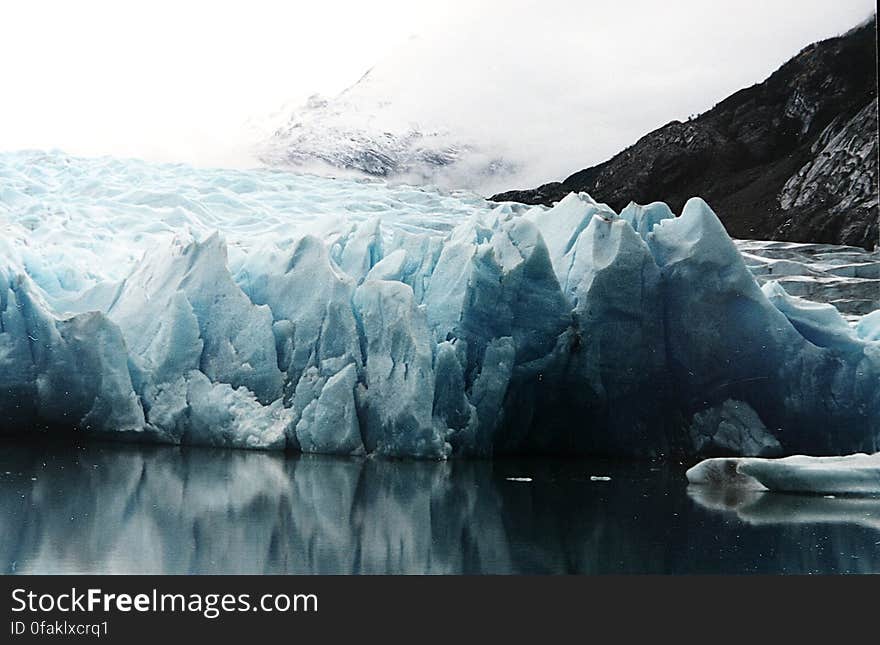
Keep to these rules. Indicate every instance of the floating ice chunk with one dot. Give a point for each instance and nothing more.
(857, 473)
(722, 472)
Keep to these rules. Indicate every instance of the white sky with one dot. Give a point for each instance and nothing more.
(177, 80)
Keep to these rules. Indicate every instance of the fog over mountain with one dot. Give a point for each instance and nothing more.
(520, 93)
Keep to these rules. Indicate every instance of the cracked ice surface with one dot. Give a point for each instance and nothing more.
(264, 309)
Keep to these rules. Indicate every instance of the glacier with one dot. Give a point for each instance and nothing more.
(264, 309)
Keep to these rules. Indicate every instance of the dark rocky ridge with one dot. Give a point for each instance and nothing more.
(792, 158)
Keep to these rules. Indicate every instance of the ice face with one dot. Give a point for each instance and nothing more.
(727, 340)
(61, 372)
(191, 283)
(267, 310)
(643, 219)
(398, 387)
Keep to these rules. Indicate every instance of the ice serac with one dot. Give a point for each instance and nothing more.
(316, 339)
(562, 225)
(495, 293)
(359, 250)
(605, 378)
(235, 338)
(727, 340)
(62, 375)
(328, 423)
(310, 302)
(489, 390)
(643, 218)
(398, 390)
(868, 327)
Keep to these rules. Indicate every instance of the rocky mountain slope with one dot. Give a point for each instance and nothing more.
(792, 158)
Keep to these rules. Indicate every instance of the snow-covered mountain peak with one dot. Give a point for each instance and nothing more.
(363, 130)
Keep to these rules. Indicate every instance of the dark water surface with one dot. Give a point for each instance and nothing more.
(107, 508)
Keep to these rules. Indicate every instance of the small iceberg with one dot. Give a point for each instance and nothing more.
(850, 474)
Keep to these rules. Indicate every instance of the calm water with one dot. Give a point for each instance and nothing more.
(133, 509)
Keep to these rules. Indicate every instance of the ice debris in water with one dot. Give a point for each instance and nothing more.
(262, 309)
(857, 473)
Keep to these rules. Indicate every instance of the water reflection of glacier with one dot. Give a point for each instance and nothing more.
(172, 510)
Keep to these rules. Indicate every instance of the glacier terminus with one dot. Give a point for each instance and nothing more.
(263, 309)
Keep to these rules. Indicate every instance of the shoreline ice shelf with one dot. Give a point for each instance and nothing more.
(262, 309)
